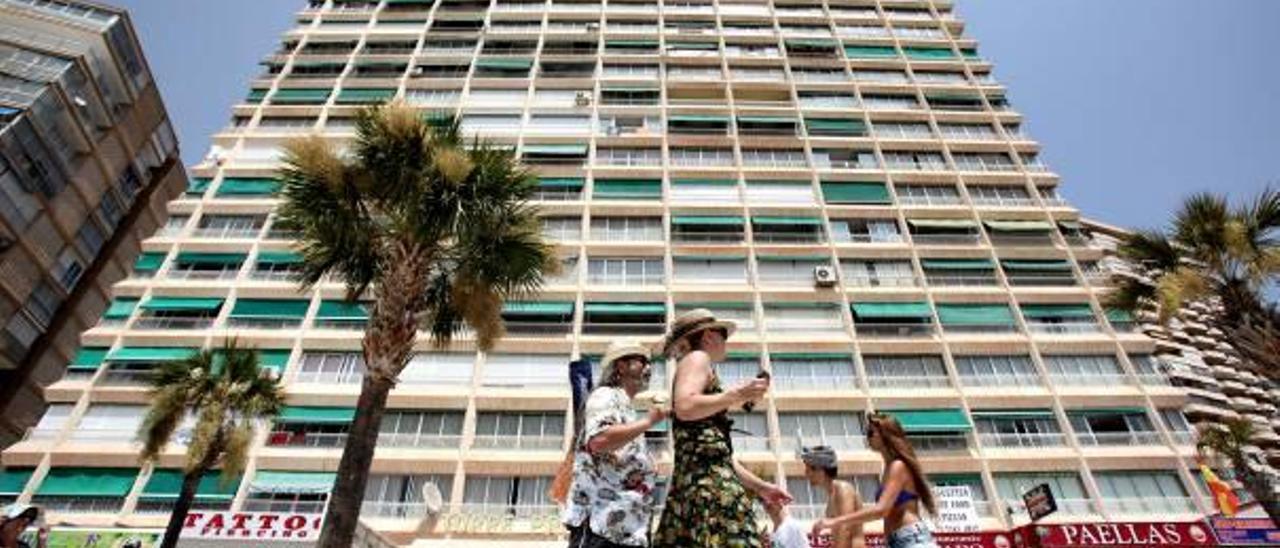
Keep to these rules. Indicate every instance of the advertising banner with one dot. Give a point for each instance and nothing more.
(252, 525)
(97, 538)
(1246, 531)
(1186, 534)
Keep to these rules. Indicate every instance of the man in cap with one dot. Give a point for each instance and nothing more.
(821, 469)
(611, 501)
(16, 519)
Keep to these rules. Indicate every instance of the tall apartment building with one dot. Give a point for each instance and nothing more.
(844, 178)
(88, 162)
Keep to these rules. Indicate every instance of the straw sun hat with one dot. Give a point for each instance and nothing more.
(618, 350)
(695, 321)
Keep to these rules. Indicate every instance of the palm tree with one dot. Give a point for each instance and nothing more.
(438, 230)
(1229, 441)
(226, 392)
(1213, 251)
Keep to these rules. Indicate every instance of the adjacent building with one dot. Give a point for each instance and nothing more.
(88, 162)
(846, 179)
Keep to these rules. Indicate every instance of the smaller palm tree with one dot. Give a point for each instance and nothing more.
(1228, 441)
(226, 392)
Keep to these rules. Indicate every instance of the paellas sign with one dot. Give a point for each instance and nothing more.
(1186, 534)
(252, 525)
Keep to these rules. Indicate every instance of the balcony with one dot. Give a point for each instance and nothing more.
(1150, 505)
(172, 323)
(1091, 379)
(183, 272)
(419, 440)
(987, 381)
(908, 381)
(288, 438)
(1131, 438)
(1023, 439)
(789, 384)
(939, 443)
(387, 509)
(790, 444)
(1062, 328)
(904, 330)
(504, 442)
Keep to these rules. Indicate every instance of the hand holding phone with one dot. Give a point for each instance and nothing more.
(751, 404)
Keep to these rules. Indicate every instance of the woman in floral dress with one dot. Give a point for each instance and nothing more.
(710, 499)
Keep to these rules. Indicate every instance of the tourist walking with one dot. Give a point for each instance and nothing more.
(903, 490)
(821, 469)
(611, 499)
(711, 496)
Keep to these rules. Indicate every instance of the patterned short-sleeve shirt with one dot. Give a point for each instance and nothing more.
(612, 491)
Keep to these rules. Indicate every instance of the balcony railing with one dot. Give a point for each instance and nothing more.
(1091, 379)
(742, 443)
(981, 328)
(1066, 506)
(79, 505)
(961, 279)
(179, 273)
(516, 443)
(1041, 280)
(1062, 328)
(162, 323)
(1001, 380)
(419, 440)
(946, 239)
(1150, 505)
(908, 381)
(222, 233)
(870, 329)
(283, 506)
(538, 328)
(285, 438)
(1118, 438)
(640, 280)
(393, 509)
(791, 443)
(1023, 439)
(126, 377)
(844, 382)
(939, 443)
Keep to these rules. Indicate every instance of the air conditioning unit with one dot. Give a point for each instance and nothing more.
(582, 99)
(824, 276)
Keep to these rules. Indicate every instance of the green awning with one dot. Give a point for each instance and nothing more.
(301, 96)
(87, 358)
(870, 52)
(811, 43)
(13, 481)
(969, 53)
(562, 182)
(270, 481)
(166, 484)
(352, 96)
(915, 310)
(945, 224)
(319, 64)
(768, 220)
(1012, 414)
(1108, 411)
(856, 193)
(149, 261)
(957, 264)
(210, 258)
(197, 187)
(706, 46)
(698, 119)
(713, 220)
(556, 150)
(1057, 311)
(922, 53)
(974, 314)
(704, 182)
(537, 308)
(87, 482)
(120, 308)
(274, 309)
(628, 188)
(256, 96)
(278, 257)
(767, 120)
(837, 126)
(1018, 226)
(924, 421)
(505, 64)
(1012, 264)
(150, 354)
(236, 186)
(182, 304)
(342, 310)
(625, 308)
(316, 415)
(810, 356)
(273, 358)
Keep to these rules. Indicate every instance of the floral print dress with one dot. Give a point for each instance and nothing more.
(707, 506)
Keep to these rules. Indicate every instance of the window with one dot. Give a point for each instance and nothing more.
(813, 372)
(1143, 492)
(893, 319)
(797, 193)
(490, 124)
(564, 229)
(997, 370)
(959, 272)
(627, 271)
(440, 368)
(1001, 196)
(702, 157)
(786, 230)
(230, 226)
(701, 270)
(331, 368)
(109, 423)
(877, 273)
(927, 195)
(292, 492)
(525, 371)
(750, 432)
(903, 130)
(400, 496)
(519, 497)
(1018, 428)
(626, 229)
(809, 317)
(1085, 369)
(773, 158)
(519, 431)
(876, 231)
(707, 229)
(840, 431)
(1120, 426)
(636, 157)
(1067, 489)
(905, 371)
(51, 423)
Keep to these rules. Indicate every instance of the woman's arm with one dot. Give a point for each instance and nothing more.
(749, 480)
(895, 480)
(692, 375)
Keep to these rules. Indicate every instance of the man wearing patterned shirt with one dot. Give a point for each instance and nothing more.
(611, 499)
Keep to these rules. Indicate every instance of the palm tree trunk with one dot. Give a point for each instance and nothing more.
(353, 470)
(190, 482)
(1262, 490)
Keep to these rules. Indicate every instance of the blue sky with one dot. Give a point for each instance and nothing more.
(1137, 103)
